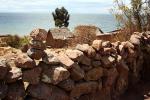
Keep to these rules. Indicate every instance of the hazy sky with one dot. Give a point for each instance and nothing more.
(73, 6)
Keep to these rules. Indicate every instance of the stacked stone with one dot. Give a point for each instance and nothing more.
(37, 44)
(101, 71)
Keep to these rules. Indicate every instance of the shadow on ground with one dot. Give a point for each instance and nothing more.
(137, 92)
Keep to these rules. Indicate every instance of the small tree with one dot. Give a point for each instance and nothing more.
(133, 17)
(61, 17)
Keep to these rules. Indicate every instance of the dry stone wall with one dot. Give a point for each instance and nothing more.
(102, 71)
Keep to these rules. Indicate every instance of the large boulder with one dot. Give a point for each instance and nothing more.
(39, 34)
(47, 92)
(32, 76)
(24, 61)
(55, 75)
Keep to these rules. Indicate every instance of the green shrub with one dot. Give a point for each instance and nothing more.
(16, 42)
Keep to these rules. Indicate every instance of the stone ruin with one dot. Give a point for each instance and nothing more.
(101, 71)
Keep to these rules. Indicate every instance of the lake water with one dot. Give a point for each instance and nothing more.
(24, 23)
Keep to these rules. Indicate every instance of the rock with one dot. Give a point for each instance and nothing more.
(77, 73)
(130, 48)
(44, 66)
(47, 92)
(103, 94)
(37, 45)
(65, 60)
(94, 74)
(86, 68)
(109, 50)
(122, 82)
(84, 47)
(91, 52)
(51, 59)
(97, 44)
(106, 44)
(122, 68)
(24, 61)
(112, 75)
(121, 86)
(75, 55)
(55, 75)
(39, 34)
(128, 45)
(25, 48)
(13, 75)
(83, 88)
(3, 68)
(26, 84)
(121, 49)
(16, 91)
(108, 61)
(40, 91)
(116, 44)
(96, 63)
(85, 61)
(135, 39)
(35, 54)
(67, 85)
(100, 85)
(98, 56)
(3, 90)
(32, 76)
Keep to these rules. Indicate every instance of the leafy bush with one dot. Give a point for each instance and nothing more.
(16, 42)
(134, 16)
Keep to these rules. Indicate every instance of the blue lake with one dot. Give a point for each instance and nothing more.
(24, 23)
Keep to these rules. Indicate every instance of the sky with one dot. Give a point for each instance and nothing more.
(73, 6)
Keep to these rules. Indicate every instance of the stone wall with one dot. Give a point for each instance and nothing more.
(58, 37)
(102, 71)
